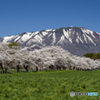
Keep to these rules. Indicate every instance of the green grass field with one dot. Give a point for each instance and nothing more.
(49, 85)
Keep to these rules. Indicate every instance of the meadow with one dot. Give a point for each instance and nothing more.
(49, 85)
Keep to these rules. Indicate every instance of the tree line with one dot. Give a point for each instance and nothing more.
(47, 58)
(93, 56)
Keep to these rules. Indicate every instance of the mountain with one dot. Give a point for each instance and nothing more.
(76, 40)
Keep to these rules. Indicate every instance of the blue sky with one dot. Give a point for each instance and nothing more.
(17, 16)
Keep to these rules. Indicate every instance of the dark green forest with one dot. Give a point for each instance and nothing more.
(93, 56)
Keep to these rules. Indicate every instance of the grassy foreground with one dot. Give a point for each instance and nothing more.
(49, 85)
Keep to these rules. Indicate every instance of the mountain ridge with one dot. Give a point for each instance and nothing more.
(76, 40)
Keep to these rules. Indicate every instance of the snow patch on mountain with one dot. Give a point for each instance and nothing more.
(44, 33)
(25, 37)
(65, 33)
(7, 38)
(54, 39)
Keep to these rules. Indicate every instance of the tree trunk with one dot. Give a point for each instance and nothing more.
(26, 68)
(17, 68)
(2, 67)
(5, 70)
(36, 69)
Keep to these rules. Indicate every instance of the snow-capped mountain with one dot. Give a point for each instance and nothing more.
(77, 40)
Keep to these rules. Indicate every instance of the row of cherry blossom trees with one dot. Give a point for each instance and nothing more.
(47, 58)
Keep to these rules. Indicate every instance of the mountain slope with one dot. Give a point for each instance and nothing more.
(77, 40)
